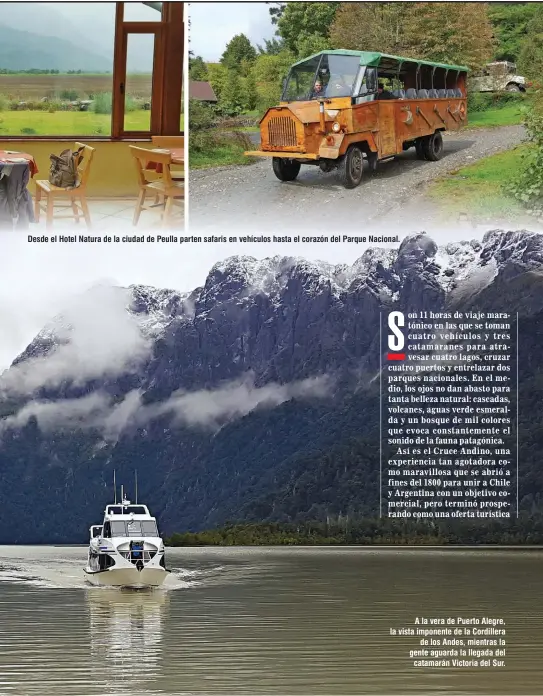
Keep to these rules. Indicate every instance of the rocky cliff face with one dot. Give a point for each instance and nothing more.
(218, 395)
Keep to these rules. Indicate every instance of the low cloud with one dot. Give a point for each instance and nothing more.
(207, 408)
(95, 338)
(211, 408)
(84, 413)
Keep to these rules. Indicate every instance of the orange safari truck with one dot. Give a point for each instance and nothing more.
(341, 107)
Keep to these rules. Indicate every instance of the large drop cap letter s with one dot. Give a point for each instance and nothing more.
(396, 339)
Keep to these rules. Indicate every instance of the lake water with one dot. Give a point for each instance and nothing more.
(264, 621)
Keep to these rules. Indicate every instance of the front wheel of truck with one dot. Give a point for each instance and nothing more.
(285, 169)
(433, 147)
(351, 167)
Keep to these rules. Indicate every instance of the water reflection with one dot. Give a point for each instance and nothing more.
(126, 636)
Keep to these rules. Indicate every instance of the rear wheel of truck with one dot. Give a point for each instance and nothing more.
(351, 167)
(285, 169)
(512, 87)
(433, 147)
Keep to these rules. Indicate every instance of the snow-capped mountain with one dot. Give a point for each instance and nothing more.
(286, 317)
(223, 395)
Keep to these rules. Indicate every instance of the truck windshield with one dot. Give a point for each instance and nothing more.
(322, 77)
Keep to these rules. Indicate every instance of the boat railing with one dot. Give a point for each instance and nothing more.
(136, 555)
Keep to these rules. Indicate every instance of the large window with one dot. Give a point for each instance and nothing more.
(134, 528)
(323, 76)
(56, 68)
(90, 69)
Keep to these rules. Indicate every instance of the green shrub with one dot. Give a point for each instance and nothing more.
(268, 96)
(28, 131)
(4, 102)
(483, 101)
(132, 105)
(201, 116)
(206, 141)
(528, 185)
(36, 106)
(69, 94)
(102, 103)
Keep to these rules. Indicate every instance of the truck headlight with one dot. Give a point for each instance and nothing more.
(336, 127)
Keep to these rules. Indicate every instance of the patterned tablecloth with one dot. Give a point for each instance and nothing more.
(16, 168)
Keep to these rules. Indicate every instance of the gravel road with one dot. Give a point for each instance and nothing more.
(251, 198)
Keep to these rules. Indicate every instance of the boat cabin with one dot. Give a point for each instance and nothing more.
(128, 520)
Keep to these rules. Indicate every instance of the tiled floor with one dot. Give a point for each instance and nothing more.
(112, 215)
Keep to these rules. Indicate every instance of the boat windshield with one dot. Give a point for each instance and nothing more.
(134, 528)
(126, 510)
(322, 77)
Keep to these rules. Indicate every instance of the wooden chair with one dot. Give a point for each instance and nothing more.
(172, 192)
(74, 198)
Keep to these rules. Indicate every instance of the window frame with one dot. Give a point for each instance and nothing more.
(165, 112)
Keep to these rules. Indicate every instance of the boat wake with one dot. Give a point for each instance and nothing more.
(61, 572)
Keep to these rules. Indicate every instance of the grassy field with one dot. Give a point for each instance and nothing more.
(508, 115)
(225, 154)
(34, 88)
(477, 190)
(66, 122)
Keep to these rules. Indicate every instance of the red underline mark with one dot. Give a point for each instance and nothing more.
(396, 356)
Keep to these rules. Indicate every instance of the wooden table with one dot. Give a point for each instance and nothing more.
(177, 155)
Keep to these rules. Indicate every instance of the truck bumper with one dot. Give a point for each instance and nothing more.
(284, 155)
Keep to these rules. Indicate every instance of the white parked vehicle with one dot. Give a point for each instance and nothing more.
(498, 77)
(126, 549)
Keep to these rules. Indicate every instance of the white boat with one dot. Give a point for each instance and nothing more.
(126, 549)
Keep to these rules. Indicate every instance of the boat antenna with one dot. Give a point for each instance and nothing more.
(136, 483)
(122, 494)
(115, 486)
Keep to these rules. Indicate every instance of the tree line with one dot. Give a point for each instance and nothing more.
(249, 78)
(41, 71)
(369, 531)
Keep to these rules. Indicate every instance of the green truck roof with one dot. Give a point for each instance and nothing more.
(374, 58)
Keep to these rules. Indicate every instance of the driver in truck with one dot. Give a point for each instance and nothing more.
(318, 89)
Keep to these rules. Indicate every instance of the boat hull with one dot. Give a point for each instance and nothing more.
(127, 577)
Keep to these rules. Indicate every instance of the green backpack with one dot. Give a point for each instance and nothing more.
(63, 169)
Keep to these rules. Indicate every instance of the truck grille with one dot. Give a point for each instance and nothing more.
(282, 132)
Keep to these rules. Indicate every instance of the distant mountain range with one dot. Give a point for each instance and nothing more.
(67, 36)
(22, 50)
(250, 398)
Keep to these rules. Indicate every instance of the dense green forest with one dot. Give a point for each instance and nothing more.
(248, 78)
(366, 531)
